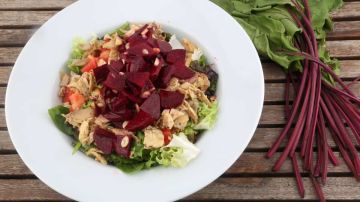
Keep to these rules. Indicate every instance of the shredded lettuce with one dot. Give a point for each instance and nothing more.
(123, 29)
(183, 151)
(76, 53)
(76, 147)
(207, 115)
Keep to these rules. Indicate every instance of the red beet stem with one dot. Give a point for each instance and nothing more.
(318, 190)
(299, 181)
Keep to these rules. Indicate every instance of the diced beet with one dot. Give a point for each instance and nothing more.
(152, 105)
(122, 145)
(115, 81)
(141, 49)
(132, 97)
(137, 33)
(152, 42)
(156, 68)
(138, 78)
(103, 140)
(135, 90)
(136, 63)
(119, 103)
(100, 73)
(141, 121)
(183, 72)
(147, 89)
(113, 117)
(120, 115)
(164, 46)
(176, 55)
(171, 99)
(166, 75)
(116, 66)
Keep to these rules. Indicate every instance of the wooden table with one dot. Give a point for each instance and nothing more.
(250, 178)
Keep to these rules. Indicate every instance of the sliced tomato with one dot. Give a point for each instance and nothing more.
(67, 93)
(167, 135)
(105, 54)
(92, 64)
(76, 101)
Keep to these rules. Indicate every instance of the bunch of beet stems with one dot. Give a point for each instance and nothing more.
(317, 104)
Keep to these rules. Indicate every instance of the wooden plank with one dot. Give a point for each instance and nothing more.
(34, 4)
(5, 142)
(274, 92)
(344, 49)
(269, 188)
(349, 11)
(349, 70)
(249, 188)
(4, 74)
(12, 165)
(345, 30)
(24, 18)
(2, 118)
(27, 189)
(9, 55)
(15, 36)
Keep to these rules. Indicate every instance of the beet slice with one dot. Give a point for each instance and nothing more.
(116, 66)
(165, 75)
(138, 78)
(156, 68)
(137, 33)
(122, 145)
(119, 103)
(119, 116)
(132, 97)
(176, 55)
(136, 63)
(103, 140)
(141, 49)
(152, 105)
(100, 73)
(140, 121)
(171, 99)
(113, 117)
(147, 89)
(183, 72)
(164, 46)
(115, 81)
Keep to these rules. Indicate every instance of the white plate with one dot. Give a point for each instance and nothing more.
(33, 87)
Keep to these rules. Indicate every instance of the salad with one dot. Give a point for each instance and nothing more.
(137, 98)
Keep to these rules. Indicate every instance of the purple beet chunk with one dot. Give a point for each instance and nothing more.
(176, 55)
(136, 63)
(183, 72)
(164, 46)
(119, 103)
(132, 97)
(103, 140)
(115, 81)
(140, 121)
(152, 42)
(166, 75)
(137, 33)
(141, 49)
(113, 117)
(101, 73)
(147, 89)
(133, 89)
(152, 105)
(116, 66)
(156, 68)
(122, 145)
(171, 99)
(138, 78)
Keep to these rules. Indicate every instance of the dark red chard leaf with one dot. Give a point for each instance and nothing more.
(116, 66)
(122, 145)
(100, 73)
(103, 140)
(138, 78)
(171, 99)
(140, 121)
(152, 105)
(176, 55)
(183, 72)
(115, 81)
(164, 46)
(165, 76)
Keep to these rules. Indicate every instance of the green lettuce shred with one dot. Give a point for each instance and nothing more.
(207, 116)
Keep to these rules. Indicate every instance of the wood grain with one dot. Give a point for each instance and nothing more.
(236, 188)
(349, 11)
(11, 37)
(269, 188)
(349, 70)
(24, 18)
(4, 74)
(34, 4)
(5, 142)
(2, 118)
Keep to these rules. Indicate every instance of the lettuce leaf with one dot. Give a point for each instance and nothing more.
(207, 116)
(76, 53)
(56, 114)
(123, 29)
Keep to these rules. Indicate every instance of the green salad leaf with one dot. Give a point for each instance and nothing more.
(56, 114)
(123, 29)
(76, 147)
(272, 29)
(207, 116)
(76, 53)
(169, 156)
(125, 164)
